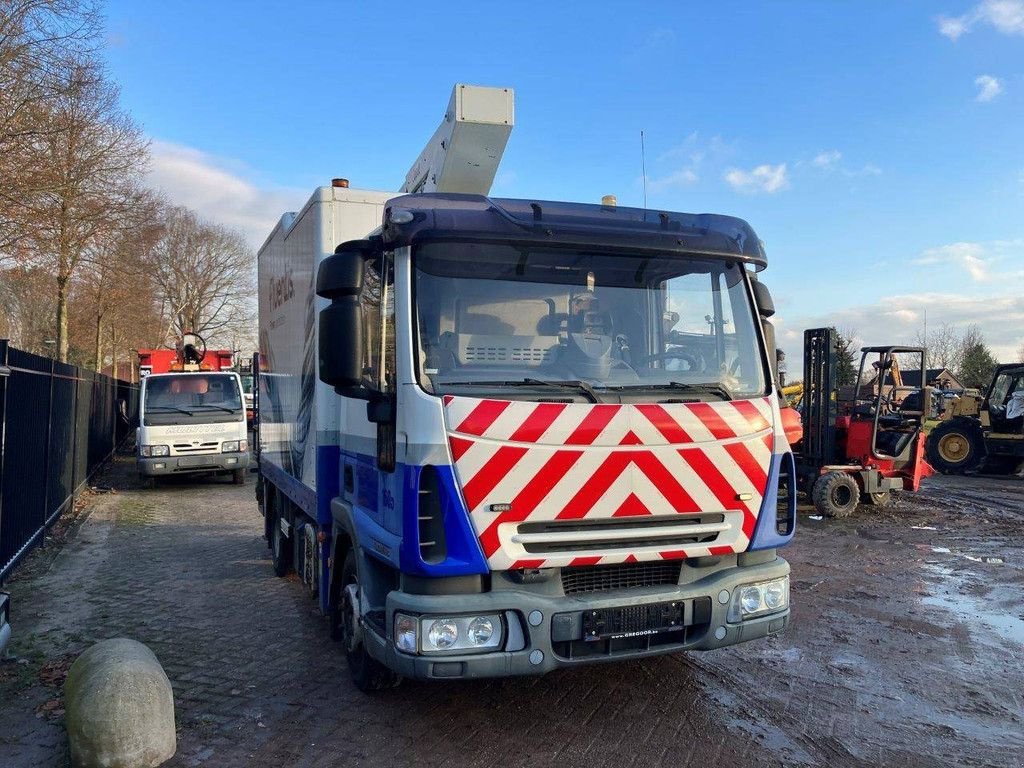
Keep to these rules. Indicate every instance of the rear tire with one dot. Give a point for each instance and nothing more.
(955, 447)
(281, 549)
(836, 494)
(368, 674)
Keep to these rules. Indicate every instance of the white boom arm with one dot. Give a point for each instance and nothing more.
(464, 152)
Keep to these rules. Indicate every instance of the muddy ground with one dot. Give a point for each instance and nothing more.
(905, 649)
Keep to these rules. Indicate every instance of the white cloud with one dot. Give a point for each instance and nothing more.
(1006, 16)
(764, 178)
(953, 28)
(971, 257)
(675, 180)
(218, 190)
(828, 160)
(988, 87)
(897, 320)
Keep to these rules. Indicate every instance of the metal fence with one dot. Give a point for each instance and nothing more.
(58, 424)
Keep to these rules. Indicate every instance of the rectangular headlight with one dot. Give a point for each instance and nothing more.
(759, 599)
(449, 634)
(229, 446)
(155, 450)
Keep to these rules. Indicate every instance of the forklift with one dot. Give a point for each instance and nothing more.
(859, 450)
(979, 429)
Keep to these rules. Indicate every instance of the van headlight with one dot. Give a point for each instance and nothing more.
(154, 450)
(448, 634)
(759, 599)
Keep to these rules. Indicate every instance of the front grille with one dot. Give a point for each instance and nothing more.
(598, 578)
(209, 447)
(620, 533)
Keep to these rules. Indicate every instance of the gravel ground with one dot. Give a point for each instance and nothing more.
(905, 648)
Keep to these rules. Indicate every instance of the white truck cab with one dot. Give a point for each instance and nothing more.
(192, 422)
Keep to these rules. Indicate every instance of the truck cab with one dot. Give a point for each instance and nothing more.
(192, 422)
(546, 434)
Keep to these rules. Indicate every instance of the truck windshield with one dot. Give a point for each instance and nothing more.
(492, 315)
(191, 397)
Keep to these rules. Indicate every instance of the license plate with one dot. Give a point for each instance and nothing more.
(195, 461)
(633, 621)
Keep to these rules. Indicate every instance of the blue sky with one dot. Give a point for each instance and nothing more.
(876, 148)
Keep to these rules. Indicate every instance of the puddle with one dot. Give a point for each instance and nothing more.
(950, 596)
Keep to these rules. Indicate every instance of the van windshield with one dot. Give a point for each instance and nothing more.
(492, 315)
(191, 397)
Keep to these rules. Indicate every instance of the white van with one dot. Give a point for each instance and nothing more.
(190, 423)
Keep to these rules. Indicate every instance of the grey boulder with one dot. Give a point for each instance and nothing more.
(119, 708)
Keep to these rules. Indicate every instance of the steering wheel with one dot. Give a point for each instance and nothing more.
(691, 358)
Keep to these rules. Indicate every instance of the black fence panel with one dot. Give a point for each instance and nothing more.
(58, 424)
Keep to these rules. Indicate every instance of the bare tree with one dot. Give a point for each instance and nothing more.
(39, 42)
(204, 276)
(1020, 353)
(945, 347)
(90, 170)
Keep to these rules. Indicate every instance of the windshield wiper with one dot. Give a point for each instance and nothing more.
(221, 407)
(579, 386)
(711, 389)
(152, 408)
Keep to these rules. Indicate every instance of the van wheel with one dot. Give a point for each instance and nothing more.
(281, 549)
(367, 673)
(836, 494)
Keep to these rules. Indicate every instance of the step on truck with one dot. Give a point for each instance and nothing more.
(500, 437)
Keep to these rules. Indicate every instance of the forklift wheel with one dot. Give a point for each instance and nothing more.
(836, 494)
(956, 446)
(880, 499)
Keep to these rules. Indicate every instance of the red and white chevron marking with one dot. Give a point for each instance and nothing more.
(574, 461)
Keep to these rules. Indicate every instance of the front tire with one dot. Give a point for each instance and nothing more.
(368, 674)
(238, 477)
(880, 499)
(955, 447)
(836, 494)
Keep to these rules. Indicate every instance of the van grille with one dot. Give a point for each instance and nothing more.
(599, 578)
(211, 447)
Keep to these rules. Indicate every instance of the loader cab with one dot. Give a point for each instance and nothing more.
(881, 425)
(1004, 402)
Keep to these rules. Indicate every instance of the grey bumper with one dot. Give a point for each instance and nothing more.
(541, 653)
(176, 465)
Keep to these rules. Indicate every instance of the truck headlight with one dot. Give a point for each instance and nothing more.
(764, 597)
(448, 634)
(155, 450)
(233, 446)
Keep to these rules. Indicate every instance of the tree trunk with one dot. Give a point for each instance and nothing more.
(62, 319)
(98, 359)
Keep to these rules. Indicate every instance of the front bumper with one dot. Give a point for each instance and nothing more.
(710, 629)
(177, 465)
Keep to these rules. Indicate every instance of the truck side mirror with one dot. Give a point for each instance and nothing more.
(341, 274)
(763, 299)
(341, 347)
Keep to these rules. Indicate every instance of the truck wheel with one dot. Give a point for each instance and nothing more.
(955, 447)
(150, 482)
(281, 549)
(836, 494)
(367, 673)
(238, 477)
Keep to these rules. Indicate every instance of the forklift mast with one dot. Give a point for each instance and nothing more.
(820, 407)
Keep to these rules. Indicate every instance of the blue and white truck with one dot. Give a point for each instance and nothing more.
(499, 437)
